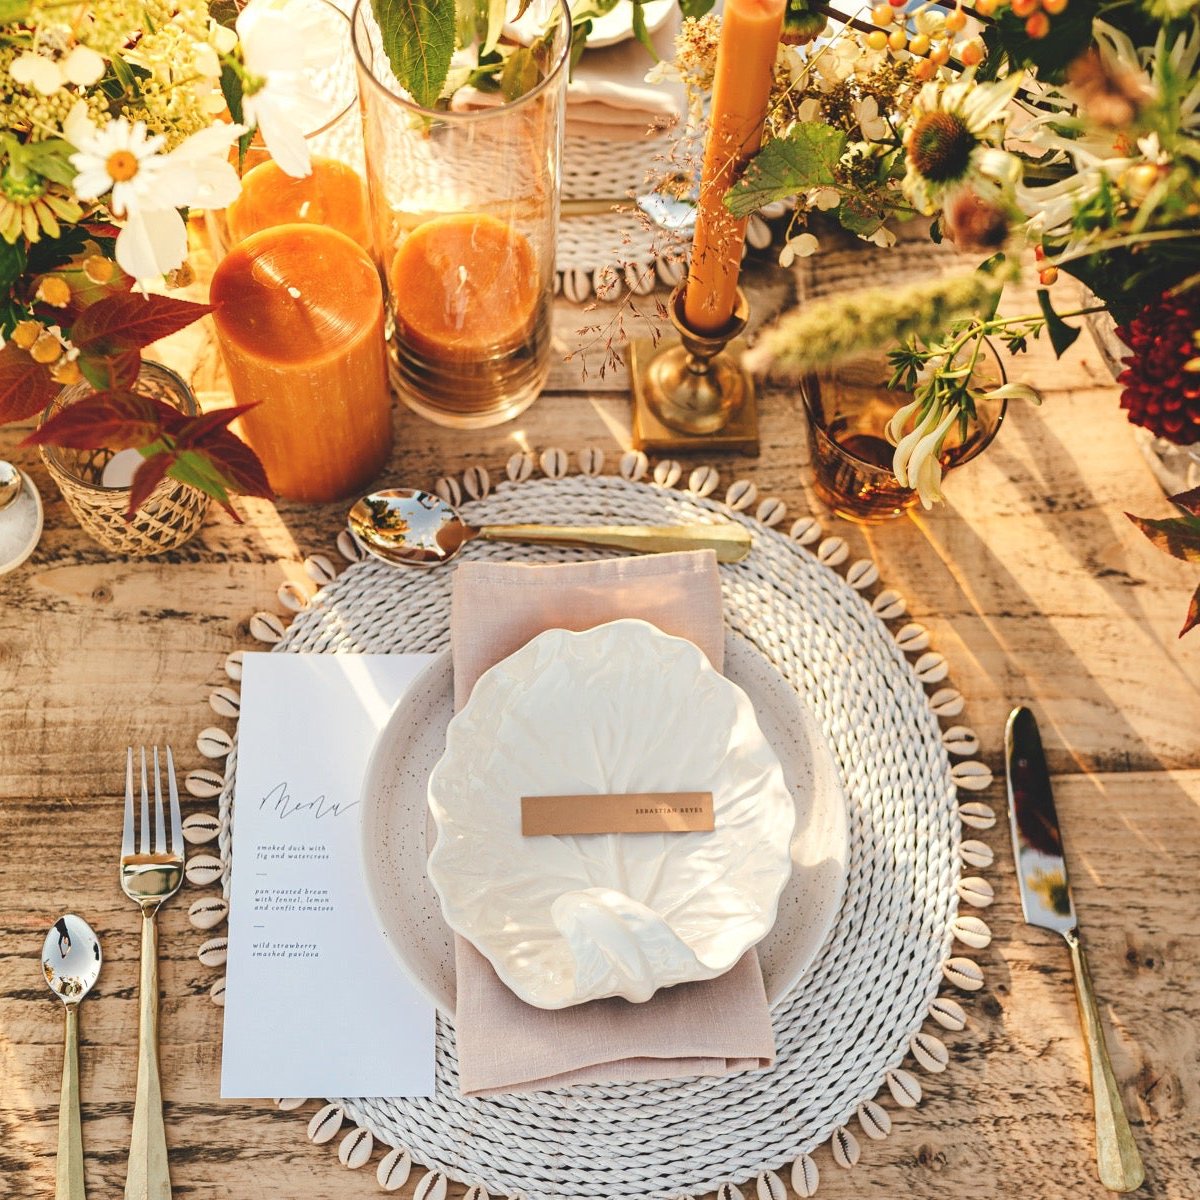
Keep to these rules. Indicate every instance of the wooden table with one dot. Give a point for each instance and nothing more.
(1035, 586)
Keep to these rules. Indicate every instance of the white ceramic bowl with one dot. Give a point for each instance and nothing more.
(619, 708)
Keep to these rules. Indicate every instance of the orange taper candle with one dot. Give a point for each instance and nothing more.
(749, 42)
(299, 314)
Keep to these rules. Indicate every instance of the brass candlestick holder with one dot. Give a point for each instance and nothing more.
(693, 394)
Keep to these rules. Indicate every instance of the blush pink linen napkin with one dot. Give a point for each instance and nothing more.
(714, 1027)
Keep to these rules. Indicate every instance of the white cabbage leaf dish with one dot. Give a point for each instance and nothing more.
(617, 709)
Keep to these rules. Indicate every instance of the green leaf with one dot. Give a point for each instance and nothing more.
(12, 263)
(1062, 335)
(520, 73)
(1177, 536)
(495, 24)
(126, 321)
(25, 386)
(805, 159)
(639, 28)
(418, 39)
(695, 8)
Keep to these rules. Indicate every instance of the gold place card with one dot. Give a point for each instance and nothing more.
(631, 812)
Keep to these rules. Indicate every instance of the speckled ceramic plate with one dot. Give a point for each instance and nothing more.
(397, 832)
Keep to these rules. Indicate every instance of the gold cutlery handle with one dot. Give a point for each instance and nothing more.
(68, 1171)
(1117, 1157)
(148, 1177)
(731, 542)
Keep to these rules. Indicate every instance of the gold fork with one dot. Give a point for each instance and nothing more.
(148, 877)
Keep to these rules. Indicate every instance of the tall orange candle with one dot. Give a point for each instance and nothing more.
(299, 315)
(749, 42)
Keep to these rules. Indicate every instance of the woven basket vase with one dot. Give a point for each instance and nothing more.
(173, 512)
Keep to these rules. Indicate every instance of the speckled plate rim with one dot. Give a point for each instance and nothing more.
(395, 818)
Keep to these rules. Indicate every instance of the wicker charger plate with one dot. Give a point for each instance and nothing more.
(844, 1032)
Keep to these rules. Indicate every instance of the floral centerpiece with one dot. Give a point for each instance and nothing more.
(118, 118)
(1049, 137)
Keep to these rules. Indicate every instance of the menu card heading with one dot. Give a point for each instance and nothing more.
(630, 812)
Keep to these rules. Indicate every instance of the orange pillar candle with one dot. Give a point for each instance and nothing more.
(746, 52)
(333, 194)
(299, 315)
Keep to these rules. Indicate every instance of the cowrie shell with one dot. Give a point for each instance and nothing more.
(912, 637)
(355, 1148)
(861, 574)
(639, 279)
(519, 466)
(768, 1186)
(266, 627)
(888, 605)
(741, 494)
(949, 1014)
(477, 1191)
(977, 815)
(972, 775)
(963, 973)
(606, 284)
(320, 569)
(972, 931)
(729, 1191)
(394, 1169)
(201, 827)
(771, 511)
(203, 869)
(214, 952)
(292, 595)
(845, 1147)
(216, 993)
(477, 482)
(805, 530)
(874, 1119)
(960, 740)
(324, 1125)
(213, 742)
(233, 665)
(633, 465)
(671, 270)
(931, 667)
(225, 702)
(577, 286)
(203, 783)
(905, 1089)
(208, 912)
(554, 463)
(976, 854)
(703, 481)
(929, 1051)
(668, 472)
(805, 1177)
(833, 551)
(290, 1103)
(448, 489)
(591, 463)
(947, 702)
(976, 891)
(348, 548)
(432, 1187)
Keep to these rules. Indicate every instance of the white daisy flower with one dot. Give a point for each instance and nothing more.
(283, 49)
(146, 188)
(954, 136)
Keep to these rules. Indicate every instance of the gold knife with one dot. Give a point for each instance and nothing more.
(1047, 903)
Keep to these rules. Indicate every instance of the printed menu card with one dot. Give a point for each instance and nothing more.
(316, 1004)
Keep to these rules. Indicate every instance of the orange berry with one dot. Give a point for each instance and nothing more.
(1054, 7)
(1047, 275)
(1038, 26)
(46, 349)
(26, 333)
(877, 39)
(882, 14)
(985, 8)
(924, 70)
(940, 54)
(971, 53)
(1039, 252)
(1023, 8)
(897, 39)
(956, 21)
(919, 45)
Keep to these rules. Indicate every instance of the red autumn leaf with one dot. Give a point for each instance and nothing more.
(146, 478)
(1177, 536)
(1193, 613)
(194, 435)
(102, 229)
(111, 420)
(129, 321)
(1189, 500)
(25, 386)
(238, 464)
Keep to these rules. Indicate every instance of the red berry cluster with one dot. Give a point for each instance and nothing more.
(1161, 379)
(1035, 13)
